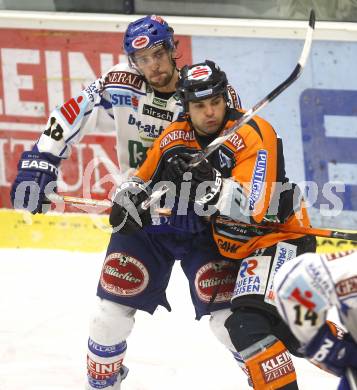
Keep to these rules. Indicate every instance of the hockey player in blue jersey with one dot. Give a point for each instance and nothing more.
(137, 100)
(306, 288)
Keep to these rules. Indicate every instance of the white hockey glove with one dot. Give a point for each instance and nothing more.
(232, 201)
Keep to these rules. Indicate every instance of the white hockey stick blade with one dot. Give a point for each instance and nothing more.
(252, 111)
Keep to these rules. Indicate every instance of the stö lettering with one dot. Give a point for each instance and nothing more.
(120, 100)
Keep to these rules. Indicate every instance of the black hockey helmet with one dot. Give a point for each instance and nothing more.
(201, 81)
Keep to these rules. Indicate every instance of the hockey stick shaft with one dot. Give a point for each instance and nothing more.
(351, 376)
(74, 201)
(293, 229)
(251, 112)
(78, 202)
(270, 226)
(270, 97)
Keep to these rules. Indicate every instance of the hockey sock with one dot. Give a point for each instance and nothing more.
(270, 366)
(104, 365)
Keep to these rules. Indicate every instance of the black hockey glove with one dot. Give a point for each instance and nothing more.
(126, 215)
(203, 194)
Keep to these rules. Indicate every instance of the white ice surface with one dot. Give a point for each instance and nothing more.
(45, 301)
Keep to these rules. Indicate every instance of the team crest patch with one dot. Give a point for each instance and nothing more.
(123, 275)
(215, 279)
(201, 72)
(140, 42)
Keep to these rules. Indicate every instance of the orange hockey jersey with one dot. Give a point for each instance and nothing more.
(253, 158)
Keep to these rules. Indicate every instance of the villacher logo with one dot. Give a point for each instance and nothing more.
(123, 275)
(158, 113)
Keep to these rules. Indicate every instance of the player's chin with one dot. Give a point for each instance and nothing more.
(160, 81)
(208, 130)
(211, 128)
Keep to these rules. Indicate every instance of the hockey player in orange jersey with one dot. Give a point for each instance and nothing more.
(243, 179)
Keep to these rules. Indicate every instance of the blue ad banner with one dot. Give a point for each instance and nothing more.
(316, 116)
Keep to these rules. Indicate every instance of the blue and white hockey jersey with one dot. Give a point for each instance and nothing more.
(120, 100)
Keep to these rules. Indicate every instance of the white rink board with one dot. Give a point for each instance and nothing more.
(45, 301)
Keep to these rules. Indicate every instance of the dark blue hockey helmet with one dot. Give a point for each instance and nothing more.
(147, 32)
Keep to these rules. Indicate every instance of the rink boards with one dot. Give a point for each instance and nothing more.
(45, 58)
(83, 232)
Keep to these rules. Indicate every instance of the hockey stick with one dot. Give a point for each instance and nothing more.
(329, 233)
(87, 202)
(351, 376)
(74, 201)
(250, 113)
(291, 229)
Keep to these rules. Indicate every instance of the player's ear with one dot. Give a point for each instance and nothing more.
(174, 53)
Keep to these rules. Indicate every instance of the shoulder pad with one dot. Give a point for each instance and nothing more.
(123, 74)
(234, 97)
